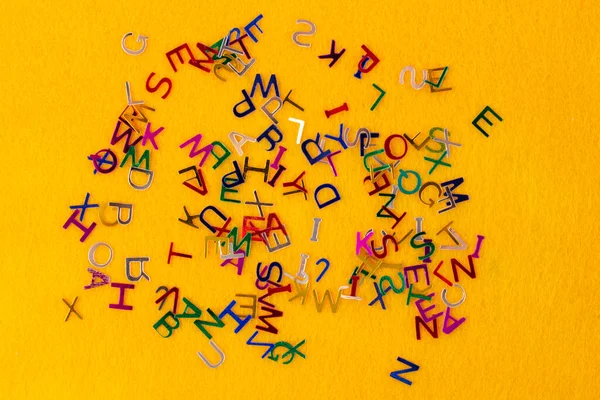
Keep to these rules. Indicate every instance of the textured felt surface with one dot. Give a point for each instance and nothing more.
(531, 328)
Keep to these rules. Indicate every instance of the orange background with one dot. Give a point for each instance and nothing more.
(531, 325)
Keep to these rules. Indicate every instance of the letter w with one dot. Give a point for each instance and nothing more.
(327, 295)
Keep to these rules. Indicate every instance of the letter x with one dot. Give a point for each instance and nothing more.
(379, 295)
(437, 162)
(259, 204)
(71, 309)
(101, 161)
(84, 206)
(447, 142)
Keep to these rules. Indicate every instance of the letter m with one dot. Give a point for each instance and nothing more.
(131, 153)
(268, 327)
